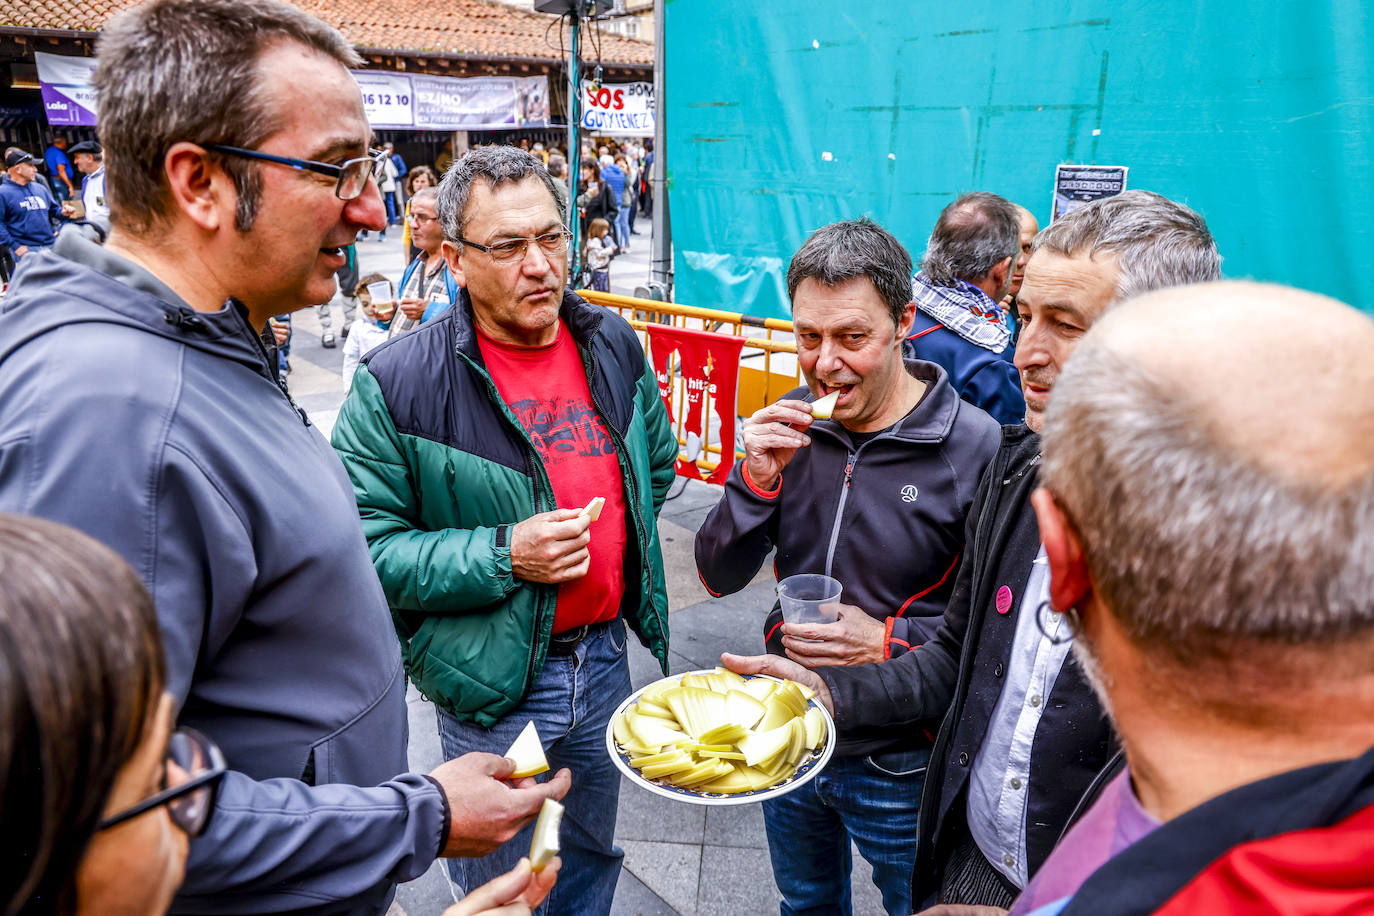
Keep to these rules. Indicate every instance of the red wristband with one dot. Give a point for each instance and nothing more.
(755, 488)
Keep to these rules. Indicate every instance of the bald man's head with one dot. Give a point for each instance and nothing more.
(1213, 446)
(1275, 376)
(1029, 227)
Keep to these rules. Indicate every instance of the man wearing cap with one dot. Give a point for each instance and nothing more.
(25, 207)
(89, 161)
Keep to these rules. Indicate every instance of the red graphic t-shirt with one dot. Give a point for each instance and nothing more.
(546, 388)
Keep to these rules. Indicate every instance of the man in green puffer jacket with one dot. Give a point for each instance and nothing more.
(473, 444)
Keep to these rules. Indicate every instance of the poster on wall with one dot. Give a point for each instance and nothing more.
(68, 96)
(1076, 185)
(618, 109)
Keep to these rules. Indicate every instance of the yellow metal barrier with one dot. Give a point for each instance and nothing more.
(768, 366)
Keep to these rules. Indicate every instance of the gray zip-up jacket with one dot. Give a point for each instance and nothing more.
(163, 433)
(884, 515)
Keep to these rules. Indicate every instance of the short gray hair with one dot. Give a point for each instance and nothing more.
(844, 251)
(1158, 243)
(972, 236)
(1194, 548)
(186, 70)
(496, 165)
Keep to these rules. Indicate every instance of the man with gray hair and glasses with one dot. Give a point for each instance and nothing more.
(1025, 735)
(1208, 516)
(960, 324)
(137, 404)
(509, 459)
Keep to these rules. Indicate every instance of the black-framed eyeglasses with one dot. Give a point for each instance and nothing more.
(352, 174)
(506, 250)
(196, 764)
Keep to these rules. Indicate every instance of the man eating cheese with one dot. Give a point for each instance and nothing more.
(875, 496)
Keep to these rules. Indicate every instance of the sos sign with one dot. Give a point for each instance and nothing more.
(607, 97)
(621, 108)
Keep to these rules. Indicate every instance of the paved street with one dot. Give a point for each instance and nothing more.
(679, 858)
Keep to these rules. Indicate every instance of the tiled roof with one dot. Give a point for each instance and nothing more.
(451, 28)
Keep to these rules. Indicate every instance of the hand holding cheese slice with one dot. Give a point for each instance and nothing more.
(528, 754)
(544, 846)
(593, 508)
(824, 408)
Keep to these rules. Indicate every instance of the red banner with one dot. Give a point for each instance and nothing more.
(709, 365)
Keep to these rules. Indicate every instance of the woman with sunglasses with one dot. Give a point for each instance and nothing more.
(98, 794)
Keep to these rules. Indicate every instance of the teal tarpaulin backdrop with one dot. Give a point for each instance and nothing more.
(785, 116)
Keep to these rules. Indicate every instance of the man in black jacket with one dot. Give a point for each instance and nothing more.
(891, 475)
(1024, 735)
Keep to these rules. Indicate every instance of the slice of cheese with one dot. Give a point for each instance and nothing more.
(545, 844)
(594, 507)
(822, 408)
(528, 754)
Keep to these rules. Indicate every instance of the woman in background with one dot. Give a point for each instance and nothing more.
(422, 176)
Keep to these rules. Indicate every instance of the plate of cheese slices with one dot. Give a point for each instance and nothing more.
(721, 738)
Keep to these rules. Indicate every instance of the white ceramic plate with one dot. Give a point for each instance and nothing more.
(810, 765)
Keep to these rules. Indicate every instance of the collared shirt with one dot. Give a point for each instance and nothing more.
(93, 195)
(999, 786)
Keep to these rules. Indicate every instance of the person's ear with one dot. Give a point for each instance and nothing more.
(1070, 585)
(908, 319)
(453, 252)
(1000, 272)
(199, 187)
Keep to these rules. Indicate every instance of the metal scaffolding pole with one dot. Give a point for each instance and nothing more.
(574, 147)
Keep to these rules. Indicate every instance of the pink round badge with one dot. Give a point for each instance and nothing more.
(1003, 600)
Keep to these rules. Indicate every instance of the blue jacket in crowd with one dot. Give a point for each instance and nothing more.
(25, 214)
(962, 330)
(615, 178)
(163, 432)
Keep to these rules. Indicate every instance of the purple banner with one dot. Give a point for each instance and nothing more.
(68, 97)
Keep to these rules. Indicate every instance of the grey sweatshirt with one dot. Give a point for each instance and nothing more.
(163, 433)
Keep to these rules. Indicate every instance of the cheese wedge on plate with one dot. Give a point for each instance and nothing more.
(823, 408)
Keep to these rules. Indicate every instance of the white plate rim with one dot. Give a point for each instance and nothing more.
(808, 772)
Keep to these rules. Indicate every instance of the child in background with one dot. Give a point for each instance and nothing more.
(371, 332)
(597, 253)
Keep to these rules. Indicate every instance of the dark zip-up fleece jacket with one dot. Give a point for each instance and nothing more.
(162, 432)
(886, 518)
(442, 470)
(961, 670)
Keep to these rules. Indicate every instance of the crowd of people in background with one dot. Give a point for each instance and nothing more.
(1114, 657)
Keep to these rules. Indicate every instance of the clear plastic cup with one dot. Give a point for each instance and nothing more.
(810, 598)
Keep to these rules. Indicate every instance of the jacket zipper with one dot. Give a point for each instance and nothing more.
(268, 371)
(640, 528)
(839, 511)
(537, 479)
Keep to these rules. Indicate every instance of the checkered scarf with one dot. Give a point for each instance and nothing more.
(964, 309)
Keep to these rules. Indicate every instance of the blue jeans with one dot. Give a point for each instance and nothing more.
(390, 198)
(872, 800)
(622, 227)
(570, 703)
